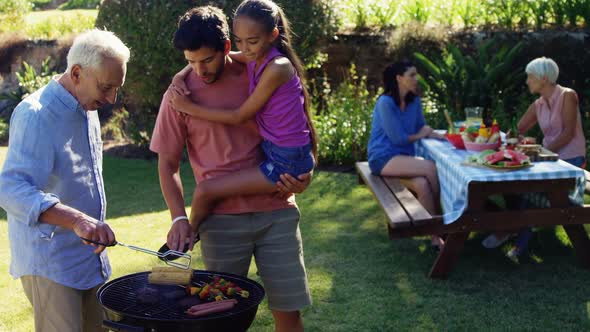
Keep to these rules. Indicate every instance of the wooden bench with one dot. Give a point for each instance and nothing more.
(406, 217)
(403, 210)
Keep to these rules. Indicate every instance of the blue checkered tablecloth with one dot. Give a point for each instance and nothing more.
(454, 177)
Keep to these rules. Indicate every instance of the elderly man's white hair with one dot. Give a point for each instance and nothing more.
(543, 67)
(91, 47)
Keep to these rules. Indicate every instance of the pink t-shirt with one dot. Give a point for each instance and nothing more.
(216, 149)
(550, 119)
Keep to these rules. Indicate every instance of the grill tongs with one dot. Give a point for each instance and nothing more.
(179, 259)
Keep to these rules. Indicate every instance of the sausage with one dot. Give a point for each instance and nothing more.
(210, 304)
(213, 309)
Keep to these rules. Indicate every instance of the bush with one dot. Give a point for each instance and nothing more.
(29, 82)
(3, 132)
(147, 27)
(80, 4)
(12, 14)
(343, 121)
(485, 78)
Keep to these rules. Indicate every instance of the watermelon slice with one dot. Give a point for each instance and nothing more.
(494, 158)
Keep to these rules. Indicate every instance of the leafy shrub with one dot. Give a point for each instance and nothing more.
(487, 78)
(467, 13)
(29, 82)
(3, 132)
(343, 121)
(147, 28)
(12, 14)
(508, 13)
(387, 13)
(418, 10)
(80, 4)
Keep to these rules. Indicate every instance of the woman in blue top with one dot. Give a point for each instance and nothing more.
(397, 123)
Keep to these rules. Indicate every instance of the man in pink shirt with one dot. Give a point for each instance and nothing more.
(264, 225)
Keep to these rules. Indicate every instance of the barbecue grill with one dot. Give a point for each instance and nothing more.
(119, 298)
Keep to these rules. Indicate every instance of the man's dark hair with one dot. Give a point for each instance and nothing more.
(204, 26)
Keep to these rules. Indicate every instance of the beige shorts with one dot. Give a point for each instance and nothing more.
(60, 308)
(229, 241)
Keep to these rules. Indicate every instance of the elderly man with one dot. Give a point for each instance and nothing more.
(265, 226)
(53, 190)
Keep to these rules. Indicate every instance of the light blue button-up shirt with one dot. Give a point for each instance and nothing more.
(54, 155)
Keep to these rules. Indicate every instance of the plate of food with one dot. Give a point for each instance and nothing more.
(508, 167)
(501, 160)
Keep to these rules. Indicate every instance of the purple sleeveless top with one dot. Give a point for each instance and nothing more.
(282, 119)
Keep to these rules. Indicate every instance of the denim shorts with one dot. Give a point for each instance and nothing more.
(576, 161)
(377, 164)
(280, 160)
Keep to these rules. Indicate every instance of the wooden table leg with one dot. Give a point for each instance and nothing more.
(576, 233)
(448, 256)
(580, 242)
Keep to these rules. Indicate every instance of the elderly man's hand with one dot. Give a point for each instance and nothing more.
(290, 185)
(91, 229)
(180, 233)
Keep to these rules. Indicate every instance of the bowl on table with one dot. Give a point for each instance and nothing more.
(456, 140)
(471, 146)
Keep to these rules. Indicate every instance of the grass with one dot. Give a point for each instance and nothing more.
(51, 24)
(360, 280)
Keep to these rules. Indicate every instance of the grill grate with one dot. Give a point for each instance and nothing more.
(120, 295)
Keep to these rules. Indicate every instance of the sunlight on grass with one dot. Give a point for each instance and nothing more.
(359, 279)
(51, 24)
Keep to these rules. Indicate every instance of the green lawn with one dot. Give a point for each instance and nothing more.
(360, 280)
(50, 24)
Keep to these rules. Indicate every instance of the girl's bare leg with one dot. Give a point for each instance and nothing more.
(208, 192)
(419, 176)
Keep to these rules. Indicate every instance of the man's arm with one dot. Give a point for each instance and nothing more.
(83, 225)
(171, 186)
(27, 169)
(272, 77)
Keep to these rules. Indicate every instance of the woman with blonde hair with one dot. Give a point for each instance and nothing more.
(558, 115)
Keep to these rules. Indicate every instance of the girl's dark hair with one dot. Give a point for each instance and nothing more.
(204, 26)
(390, 81)
(271, 16)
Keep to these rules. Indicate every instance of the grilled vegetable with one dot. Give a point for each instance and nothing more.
(170, 269)
(170, 277)
(194, 290)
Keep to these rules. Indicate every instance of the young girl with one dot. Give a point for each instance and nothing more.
(397, 123)
(278, 99)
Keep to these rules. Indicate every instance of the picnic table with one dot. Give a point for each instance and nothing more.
(465, 192)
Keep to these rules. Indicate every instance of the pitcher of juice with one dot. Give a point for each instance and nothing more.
(473, 116)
